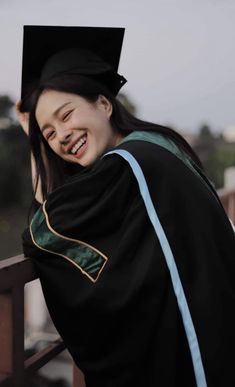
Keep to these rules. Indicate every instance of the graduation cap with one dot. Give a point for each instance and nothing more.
(49, 51)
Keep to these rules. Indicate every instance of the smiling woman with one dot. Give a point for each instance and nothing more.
(75, 129)
(132, 245)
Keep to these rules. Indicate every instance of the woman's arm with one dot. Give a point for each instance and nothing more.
(24, 122)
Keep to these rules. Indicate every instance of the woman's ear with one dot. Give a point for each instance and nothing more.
(105, 104)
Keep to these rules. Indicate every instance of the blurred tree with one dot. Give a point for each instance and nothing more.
(205, 143)
(127, 103)
(222, 158)
(15, 181)
(6, 105)
(205, 134)
(215, 153)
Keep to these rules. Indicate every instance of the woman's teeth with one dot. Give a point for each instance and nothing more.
(78, 145)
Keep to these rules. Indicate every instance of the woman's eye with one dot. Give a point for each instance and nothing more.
(66, 115)
(49, 135)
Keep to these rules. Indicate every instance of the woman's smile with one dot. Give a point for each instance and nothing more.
(80, 147)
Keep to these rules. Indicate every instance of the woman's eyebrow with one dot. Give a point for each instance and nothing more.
(59, 108)
(55, 113)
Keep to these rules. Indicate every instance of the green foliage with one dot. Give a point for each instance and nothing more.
(222, 158)
(15, 180)
(216, 155)
(6, 105)
(205, 134)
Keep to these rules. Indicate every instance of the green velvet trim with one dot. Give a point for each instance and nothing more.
(167, 143)
(159, 139)
(87, 259)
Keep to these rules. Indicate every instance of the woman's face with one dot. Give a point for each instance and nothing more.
(77, 130)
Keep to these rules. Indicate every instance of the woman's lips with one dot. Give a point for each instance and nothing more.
(81, 150)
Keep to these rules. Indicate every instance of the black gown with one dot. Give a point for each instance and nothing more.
(136, 257)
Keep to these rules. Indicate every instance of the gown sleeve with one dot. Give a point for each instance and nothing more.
(107, 281)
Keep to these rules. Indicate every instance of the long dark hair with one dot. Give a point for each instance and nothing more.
(52, 170)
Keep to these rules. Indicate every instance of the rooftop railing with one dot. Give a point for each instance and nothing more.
(15, 272)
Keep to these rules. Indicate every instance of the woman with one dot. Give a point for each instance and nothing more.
(133, 248)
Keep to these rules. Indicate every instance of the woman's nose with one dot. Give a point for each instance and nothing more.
(64, 135)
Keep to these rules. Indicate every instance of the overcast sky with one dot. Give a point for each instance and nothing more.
(178, 55)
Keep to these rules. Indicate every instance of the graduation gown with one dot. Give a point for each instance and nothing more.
(136, 257)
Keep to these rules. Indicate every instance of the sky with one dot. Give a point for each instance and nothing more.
(178, 55)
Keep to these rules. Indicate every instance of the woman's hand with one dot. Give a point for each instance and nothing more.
(23, 118)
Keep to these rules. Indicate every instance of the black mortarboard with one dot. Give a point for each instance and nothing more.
(91, 51)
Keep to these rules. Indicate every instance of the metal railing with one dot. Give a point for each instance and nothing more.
(15, 272)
